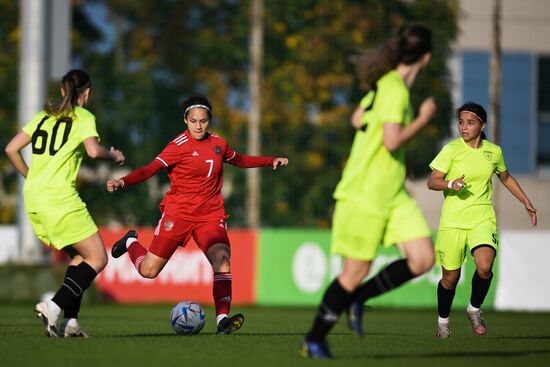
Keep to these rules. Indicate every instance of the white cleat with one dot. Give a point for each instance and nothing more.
(443, 331)
(478, 324)
(71, 329)
(50, 320)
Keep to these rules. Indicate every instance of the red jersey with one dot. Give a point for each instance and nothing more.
(195, 169)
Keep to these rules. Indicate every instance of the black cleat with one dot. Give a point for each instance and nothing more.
(230, 324)
(315, 350)
(119, 247)
(355, 318)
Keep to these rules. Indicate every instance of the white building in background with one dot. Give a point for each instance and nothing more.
(525, 77)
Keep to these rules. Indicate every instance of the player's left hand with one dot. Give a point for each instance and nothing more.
(532, 213)
(458, 184)
(280, 161)
(114, 185)
(117, 156)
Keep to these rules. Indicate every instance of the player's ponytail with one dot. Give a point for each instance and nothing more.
(411, 42)
(73, 84)
(372, 64)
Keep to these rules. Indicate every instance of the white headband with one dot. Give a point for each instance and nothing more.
(195, 106)
(473, 113)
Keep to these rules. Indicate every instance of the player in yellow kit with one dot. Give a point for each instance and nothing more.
(463, 171)
(59, 137)
(372, 204)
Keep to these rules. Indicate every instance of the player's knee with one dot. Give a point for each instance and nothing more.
(97, 261)
(221, 264)
(485, 269)
(430, 261)
(149, 272)
(426, 265)
(350, 279)
(102, 263)
(449, 281)
(77, 259)
(219, 257)
(420, 265)
(349, 282)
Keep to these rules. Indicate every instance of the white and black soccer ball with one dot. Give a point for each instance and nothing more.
(187, 318)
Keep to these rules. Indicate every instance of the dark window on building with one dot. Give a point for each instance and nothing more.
(543, 151)
(544, 89)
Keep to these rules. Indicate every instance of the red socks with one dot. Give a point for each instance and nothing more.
(222, 292)
(137, 254)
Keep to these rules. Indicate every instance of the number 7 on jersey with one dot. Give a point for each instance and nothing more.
(211, 163)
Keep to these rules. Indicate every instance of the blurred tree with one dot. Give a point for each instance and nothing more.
(310, 90)
(82, 35)
(150, 55)
(9, 44)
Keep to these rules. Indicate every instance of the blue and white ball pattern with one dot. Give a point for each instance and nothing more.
(187, 318)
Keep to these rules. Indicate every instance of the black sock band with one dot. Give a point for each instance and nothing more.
(71, 311)
(392, 276)
(480, 288)
(335, 300)
(444, 300)
(76, 281)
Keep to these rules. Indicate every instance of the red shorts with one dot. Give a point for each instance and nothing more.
(173, 232)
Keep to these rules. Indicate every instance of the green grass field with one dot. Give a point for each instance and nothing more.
(142, 336)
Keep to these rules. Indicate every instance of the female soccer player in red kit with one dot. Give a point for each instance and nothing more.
(193, 207)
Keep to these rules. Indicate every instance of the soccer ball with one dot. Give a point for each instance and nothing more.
(187, 318)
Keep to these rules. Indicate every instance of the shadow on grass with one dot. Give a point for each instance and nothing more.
(488, 354)
(256, 334)
(529, 337)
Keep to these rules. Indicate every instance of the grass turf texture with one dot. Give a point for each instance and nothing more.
(142, 336)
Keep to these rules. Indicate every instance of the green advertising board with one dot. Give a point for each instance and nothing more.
(295, 267)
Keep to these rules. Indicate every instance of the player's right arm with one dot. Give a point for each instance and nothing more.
(395, 136)
(13, 152)
(139, 175)
(440, 166)
(167, 158)
(437, 182)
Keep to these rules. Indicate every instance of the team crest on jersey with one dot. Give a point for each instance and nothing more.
(217, 149)
(488, 155)
(168, 225)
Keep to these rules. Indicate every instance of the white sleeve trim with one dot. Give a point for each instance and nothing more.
(161, 161)
(233, 156)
